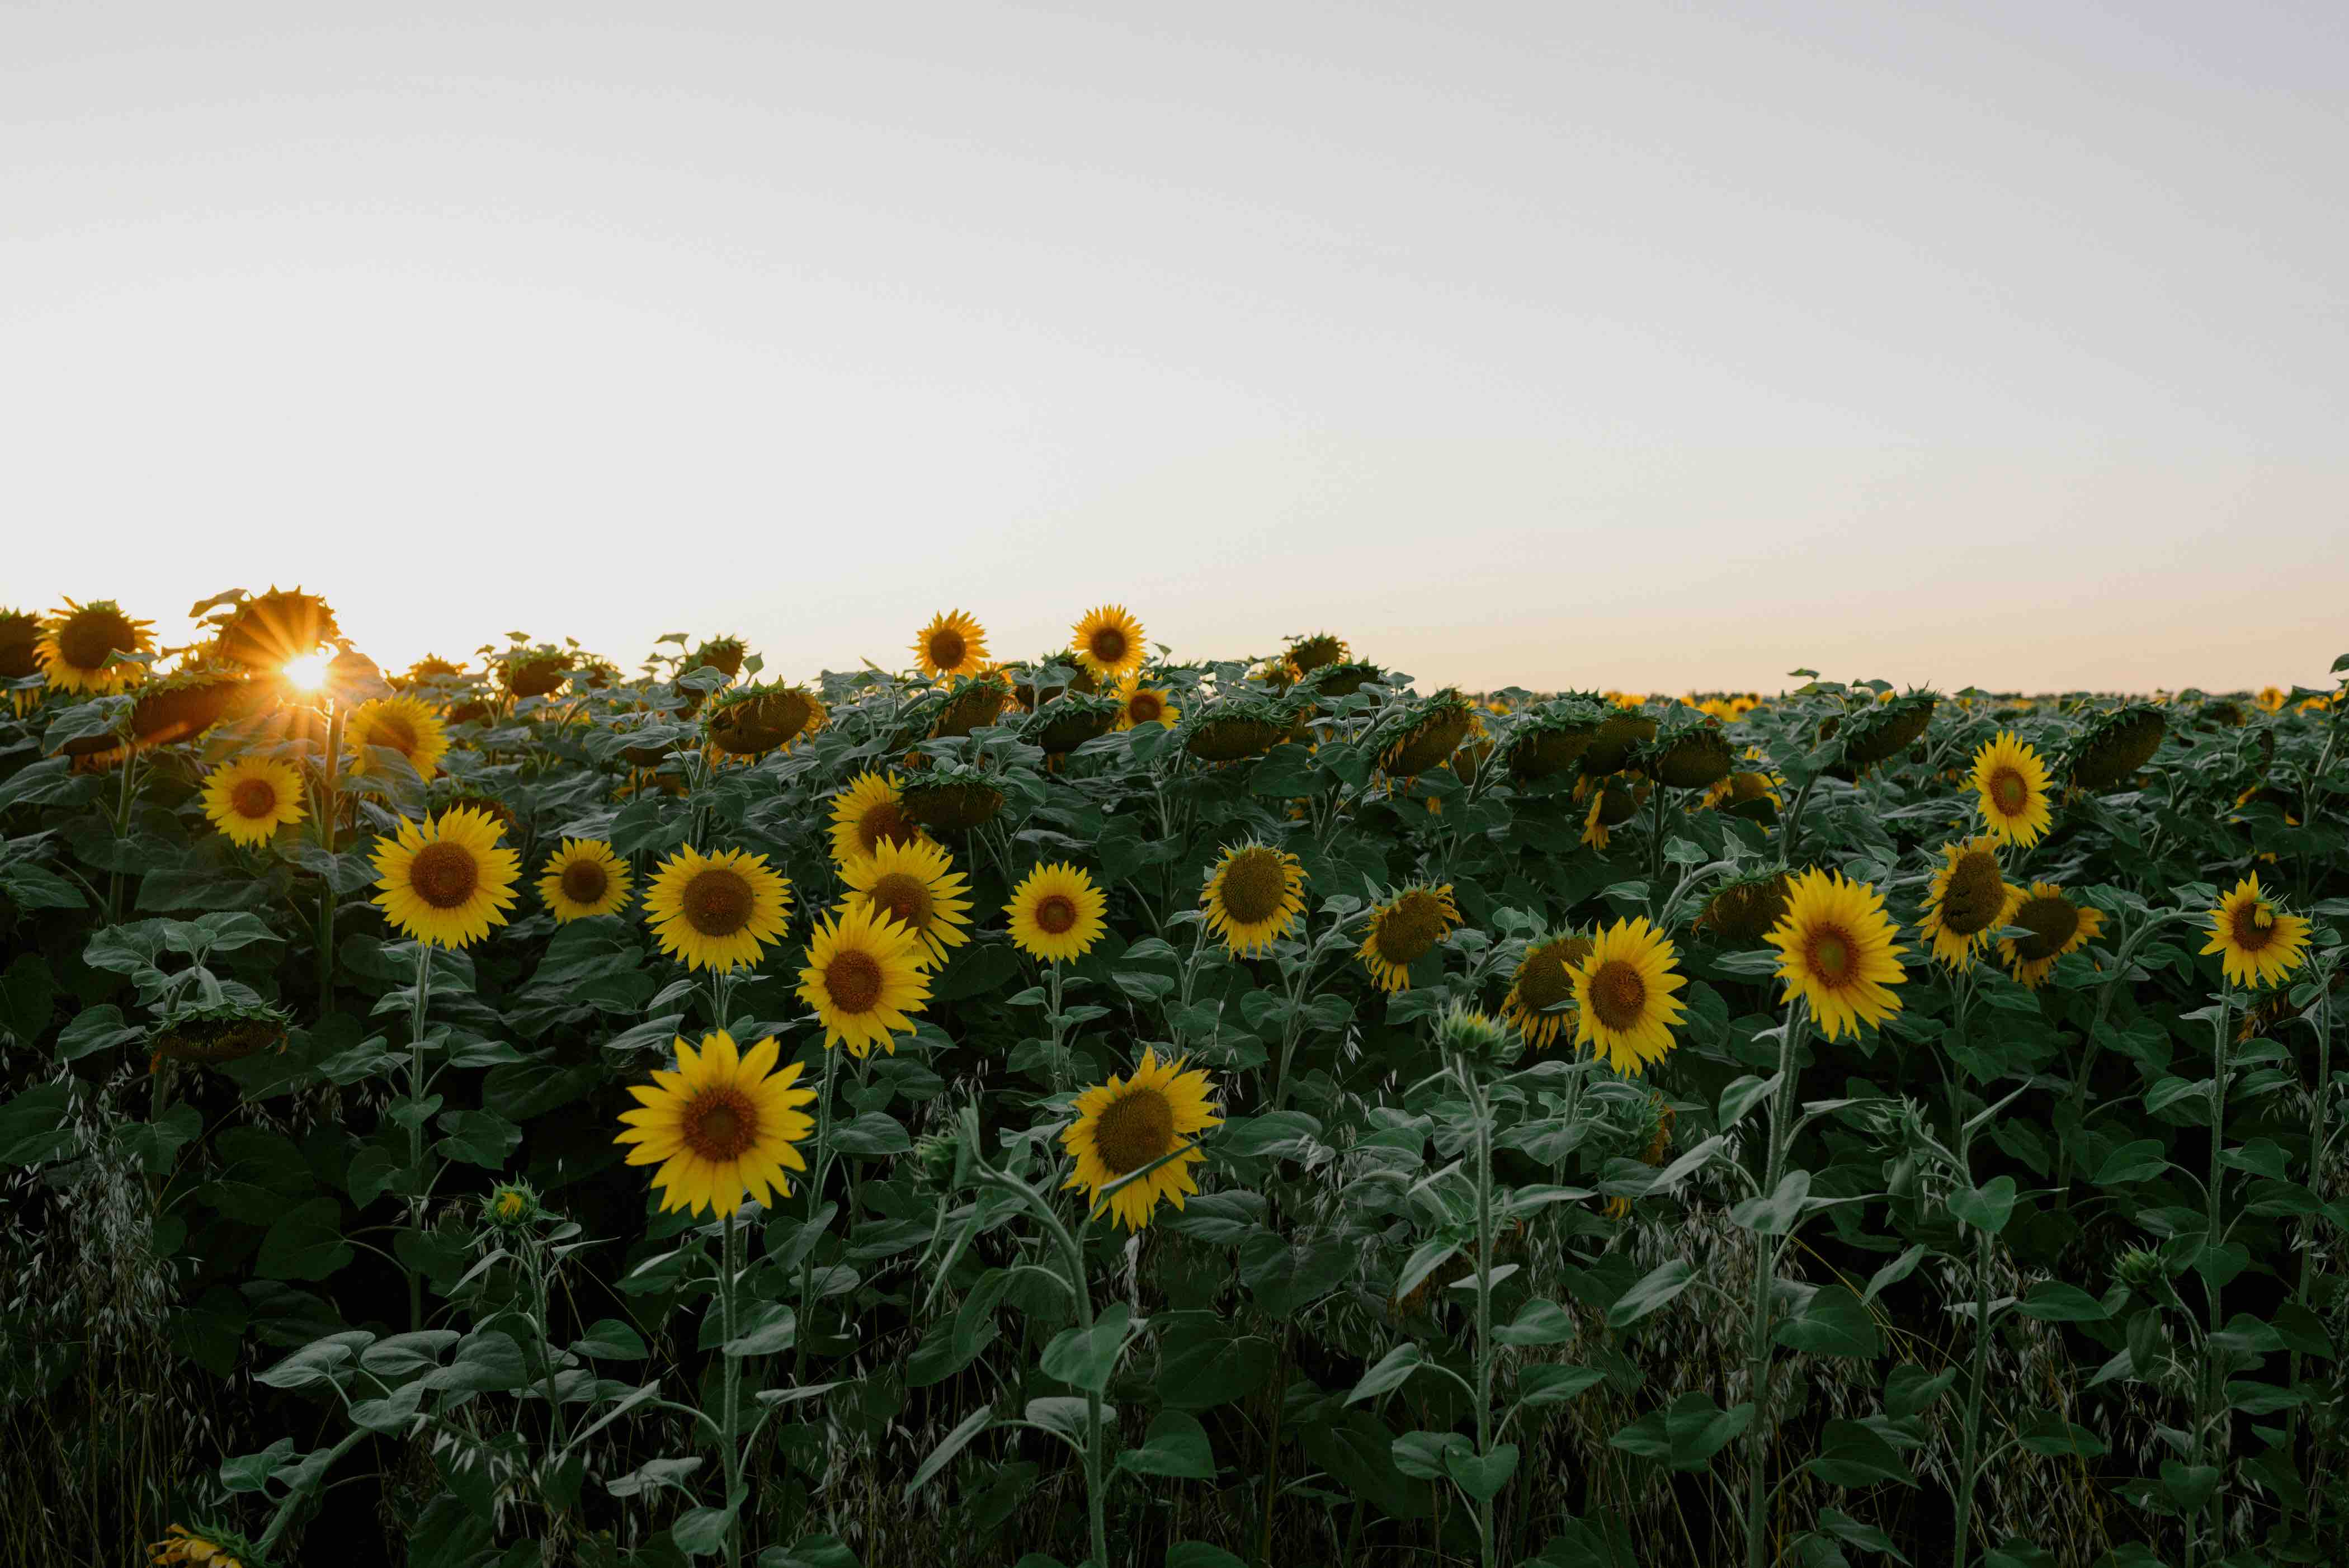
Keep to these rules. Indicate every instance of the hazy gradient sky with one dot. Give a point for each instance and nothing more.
(1627, 346)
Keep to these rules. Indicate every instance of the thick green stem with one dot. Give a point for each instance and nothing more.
(328, 809)
(1480, 1107)
(416, 1123)
(1969, 1459)
(1766, 1269)
(2212, 1406)
(730, 1444)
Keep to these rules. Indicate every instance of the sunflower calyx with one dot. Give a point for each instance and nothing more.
(1881, 732)
(2117, 743)
(1424, 734)
(1691, 752)
(512, 1206)
(1463, 1031)
(220, 1032)
(1237, 727)
(1071, 719)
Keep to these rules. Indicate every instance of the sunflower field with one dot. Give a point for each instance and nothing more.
(1102, 1109)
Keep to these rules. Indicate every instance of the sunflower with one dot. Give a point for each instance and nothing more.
(916, 885)
(1970, 898)
(1614, 802)
(401, 724)
(724, 655)
(1316, 651)
(717, 912)
(1623, 1000)
(250, 798)
(584, 877)
(1835, 951)
(721, 1127)
(1253, 896)
(270, 631)
(1125, 1124)
(2256, 945)
(1404, 930)
(1544, 981)
(2012, 782)
(206, 1546)
(1107, 642)
(1145, 704)
(2270, 699)
(867, 814)
(2057, 926)
(1744, 910)
(1425, 735)
(953, 644)
(758, 718)
(20, 646)
(1056, 914)
(78, 641)
(864, 973)
(446, 881)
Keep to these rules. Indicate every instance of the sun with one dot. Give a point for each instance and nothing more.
(865, 974)
(1253, 896)
(1108, 642)
(723, 1127)
(953, 644)
(446, 881)
(1623, 1001)
(250, 798)
(2256, 945)
(916, 885)
(1056, 914)
(1125, 1124)
(1837, 953)
(1404, 930)
(308, 673)
(2009, 782)
(584, 879)
(716, 911)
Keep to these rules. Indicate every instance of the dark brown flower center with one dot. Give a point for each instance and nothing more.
(1830, 954)
(2011, 790)
(1547, 977)
(904, 897)
(586, 881)
(717, 902)
(2051, 922)
(1618, 995)
(1144, 707)
(853, 980)
(2253, 926)
(1254, 886)
(1108, 644)
(881, 823)
(89, 635)
(1056, 915)
(1406, 932)
(720, 1123)
(253, 798)
(393, 730)
(444, 874)
(1975, 894)
(947, 650)
(1133, 1130)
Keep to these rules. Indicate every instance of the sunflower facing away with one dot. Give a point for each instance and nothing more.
(1055, 914)
(1145, 704)
(2057, 926)
(583, 879)
(448, 881)
(1125, 1124)
(1253, 896)
(401, 724)
(2012, 782)
(250, 798)
(76, 642)
(864, 974)
(1404, 930)
(953, 644)
(206, 1546)
(2256, 945)
(721, 1127)
(1107, 642)
(1835, 951)
(915, 884)
(1970, 899)
(1623, 999)
(870, 812)
(718, 911)
(1543, 980)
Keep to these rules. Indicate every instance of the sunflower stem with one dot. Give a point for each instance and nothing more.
(123, 798)
(1655, 846)
(729, 1447)
(1056, 1066)
(328, 793)
(1969, 1455)
(1766, 1270)
(2212, 1410)
(1480, 1107)
(416, 1123)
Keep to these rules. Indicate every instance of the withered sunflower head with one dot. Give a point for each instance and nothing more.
(1740, 912)
(227, 1032)
(2113, 744)
(1236, 727)
(1883, 730)
(1689, 755)
(533, 672)
(1071, 719)
(1425, 734)
(1546, 742)
(20, 635)
(1315, 651)
(1343, 679)
(756, 719)
(972, 702)
(950, 798)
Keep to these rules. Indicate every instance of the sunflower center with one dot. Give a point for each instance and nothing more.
(882, 822)
(1975, 894)
(2253, 926)
(1254, 884)
(2011, 792)
(852, 981)
(1056, 915)
(85, 639)
(1144, 707)
(947, 649)
(584, 881)
(1830, 952)
(2051, 922)
(1547, 978)
(717, 902)
(253, 798)
(1133, 1130)
(1108, 644)
(720, 1124)
(510, 1205)
(392, 729)
(905, 896)
(444, 874)
(1618, 995)
(1413, 925)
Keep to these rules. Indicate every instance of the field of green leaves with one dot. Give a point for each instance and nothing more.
(1102, 1107)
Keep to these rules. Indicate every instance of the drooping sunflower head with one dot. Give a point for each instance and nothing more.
(269, 631)
(1316, 650)
(533, 672)
(1688, 754)
(1253, 896)
(865, 974)
(1144, 705)
(724, 1126)
(1885, 729)
(2011, 783)
(1033, 684)
(2057, 926)
(1404, 930)
(724, 655)
(915, 884)
(1343, 679)
(1541, 997)
(867, 814)
(972, 702)
(954, 798)
(953, 644)
(1623, 1001)
(1970, 900)
(1071, 719)
(1741, 913)
(1425, 734)
(2116, 744)
(718, 911)
(20, 643)
(1618, 739)
(1108, 642)
(584, 879)
(224, 1032)
(181, 707)
(1056, 914)
(759, 718)
(1837, 953)
(79, 642)
(1236, 727)
(2257, 944)
(448, 881)
(404, 725)
(250, 798)
(1615, 800)
(204, 1546)
(1551, 738)
(1752, 794)
(429, 669)
(1126, 1125)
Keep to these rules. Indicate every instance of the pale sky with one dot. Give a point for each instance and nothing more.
(1621, 345)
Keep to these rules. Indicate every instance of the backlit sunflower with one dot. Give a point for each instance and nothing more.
(1835, 951)
(2271, 699)
(78, 641)
(1404, 930)
(250, 798)
(716, 911)
(401, 724)
(1316, 651)
(448, 881)
(1623, 1001)
(868, 813)
(2011, 783)
(1970, 899)
(915, 884)
(1055, 914)
(1544, 981)
(757, 719)
(2057, 926)
(1126, 1123)
(269, 631)
(1253, 896)
(1145, 704)
(206, 1546)
(20, 647)
(584, 879)
(864, 974)
(722, 1126)
(1107, 642)
(953, 644)
(2256, 945)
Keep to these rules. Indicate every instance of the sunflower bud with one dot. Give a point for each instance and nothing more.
(2138, 1268)
(1463, 1031)
(512, 1205)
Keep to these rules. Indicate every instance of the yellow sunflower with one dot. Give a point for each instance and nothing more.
(584, 877)
(202, 1548)
(2012, 782)
(2057, 926)
(448, 881)
(1404, 930)
(718, 911)
(1107, 642)
(916, 885)
(1125, 1124)
(1145, 704)
(1055, 914)
(1970, 899)
(250, 798)
(401, 724)
(1543, 980)
(1623, 1000)
(1253, 896)
(2256, 945)
(78, 641)
(1835, 951)
(864, 974)
(953, 644)
(722, 1126)
(2271, 699)
(1613, 804)
(870, 812)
